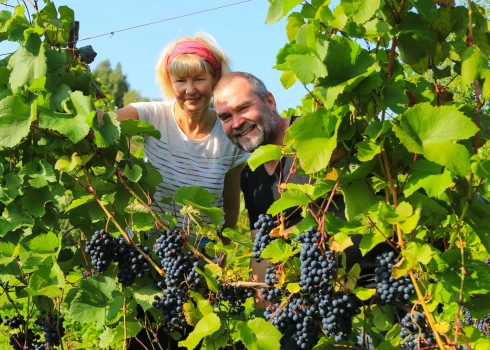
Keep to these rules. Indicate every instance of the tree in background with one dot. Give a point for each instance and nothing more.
(117, 84)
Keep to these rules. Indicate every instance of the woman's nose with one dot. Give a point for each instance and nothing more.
(190, 88)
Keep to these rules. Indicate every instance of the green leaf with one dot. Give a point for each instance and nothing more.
(427, 130)
(108, 134)
(278, 9)
(66, 164)
(28, 63)
(130, 128)
(206, 326)
(364, 293)
(192, 313)
(133, 174)
(13, 128)
(40, 173)
(98, 301)
(144, 294)
(358, 199)
(307, 67)
(74, 127)
(215, 214)
(43, 244)
(472, 63)
(427, 175)
(289, 198)
(360, 10)
(209, 273)
(383, 317)
(260, 334)
(48, 280)
(264, 154)
(295, 21)
(367, 150)
(13, 217)
(278, 251)
(80, 201)
(196, 195)
(314, 137)
(34, 200)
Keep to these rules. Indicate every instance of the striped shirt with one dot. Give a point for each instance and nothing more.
(183, 161)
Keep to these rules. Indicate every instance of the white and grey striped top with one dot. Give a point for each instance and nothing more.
(183, 161)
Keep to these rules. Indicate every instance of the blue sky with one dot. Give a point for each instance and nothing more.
(240, 30)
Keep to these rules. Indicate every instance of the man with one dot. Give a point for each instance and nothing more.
(249, 117)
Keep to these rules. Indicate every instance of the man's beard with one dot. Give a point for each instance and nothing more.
(264, 135)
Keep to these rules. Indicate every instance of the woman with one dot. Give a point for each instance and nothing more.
(193, 149)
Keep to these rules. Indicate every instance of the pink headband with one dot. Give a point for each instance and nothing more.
(195, 48)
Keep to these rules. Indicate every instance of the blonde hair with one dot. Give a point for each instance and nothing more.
(184, 64)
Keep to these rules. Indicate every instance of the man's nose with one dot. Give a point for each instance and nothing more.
(237, 122)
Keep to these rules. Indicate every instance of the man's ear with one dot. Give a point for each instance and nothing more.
(271, 101)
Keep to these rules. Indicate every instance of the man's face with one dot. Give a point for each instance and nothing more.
(248, 121)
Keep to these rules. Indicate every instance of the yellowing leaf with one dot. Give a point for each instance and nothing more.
(340, 242)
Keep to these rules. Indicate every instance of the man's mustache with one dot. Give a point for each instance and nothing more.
(244, 127)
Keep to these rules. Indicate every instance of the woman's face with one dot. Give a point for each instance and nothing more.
(194, 91)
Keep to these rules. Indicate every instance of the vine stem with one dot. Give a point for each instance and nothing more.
(430, 318)
(125, 330)
(123, 232)
(139, 199)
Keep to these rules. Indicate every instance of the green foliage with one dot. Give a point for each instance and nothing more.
(395, 122)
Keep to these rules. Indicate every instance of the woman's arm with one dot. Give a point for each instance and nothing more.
(128, 112)
(231, 196)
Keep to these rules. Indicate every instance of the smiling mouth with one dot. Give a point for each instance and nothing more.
(245, 132)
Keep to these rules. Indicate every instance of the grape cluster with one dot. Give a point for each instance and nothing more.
(337, 311)
(22, 341)
(320, 306)
(318, 267)
(483, 325)
(467, 318)
(101, 249)
(389, 289)
(298, 317)
(235, 296)
(415, 334)
(131, 264)
(265, 224)
(52, 327)
(14, 322)
(179, 265)
(171, 305)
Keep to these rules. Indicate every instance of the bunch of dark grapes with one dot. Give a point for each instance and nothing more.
(337, 311)
(52, 327)
(297, 317)
(179, 265)
(14, 322)
(415, 334)
(171, 305)
(389, 289)
(131, 264)
(318, 267)
(271, 279)
(101, 249)
(483, 325)
(235, 296)
(467, 318)
(264, 225)
(21, 341)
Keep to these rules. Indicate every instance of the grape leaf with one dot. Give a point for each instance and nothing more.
(314, 137)
(278, 9)
(95, 298)
(278, 251)
(427, 130)
(264, 154)
(360, 10)
(206, 326)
